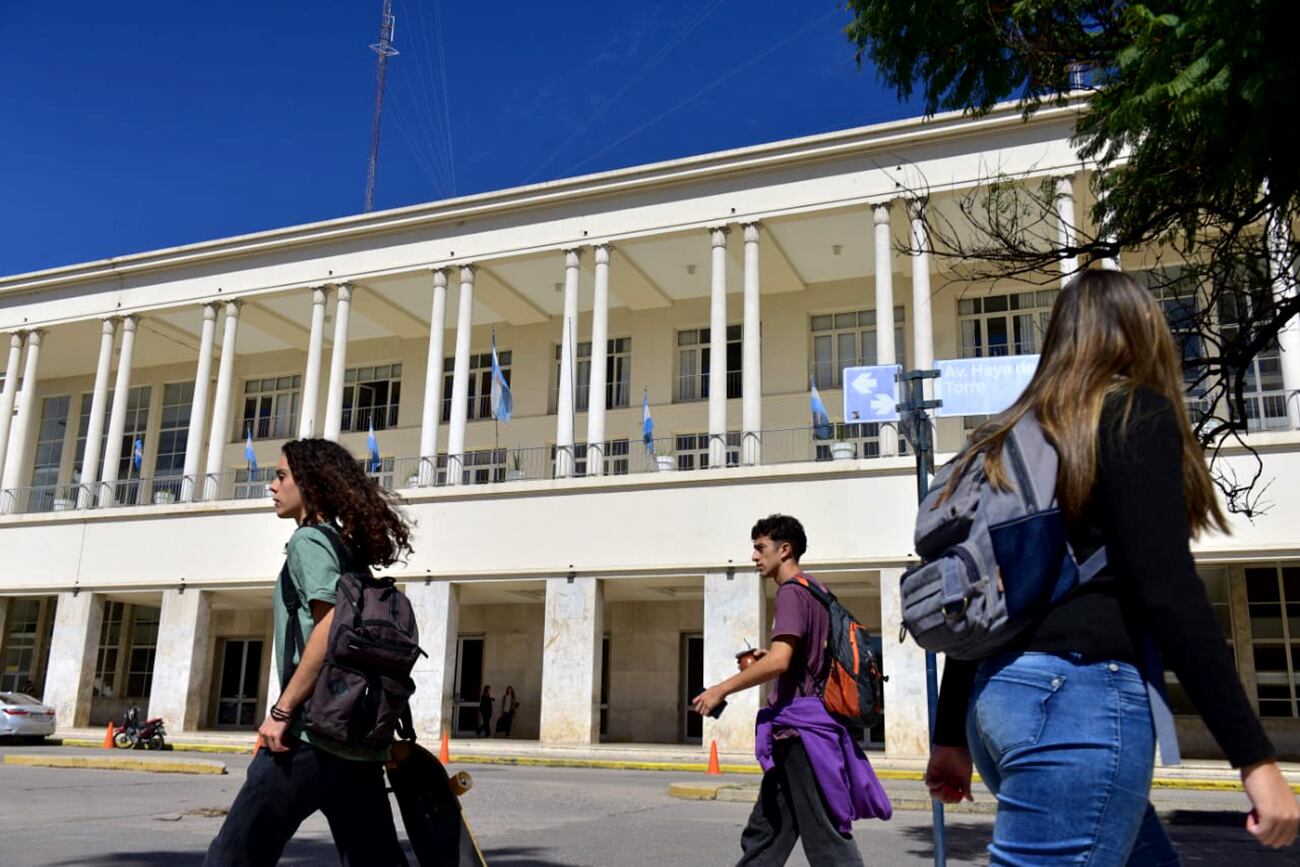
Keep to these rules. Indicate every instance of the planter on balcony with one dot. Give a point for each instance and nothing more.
(841, 451)
(515, 475)
(64, 504)
(665, 463)
(164, 498)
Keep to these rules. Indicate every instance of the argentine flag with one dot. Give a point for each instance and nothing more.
(249, 454)
(647, 423)
(373, 445)
(820, 419)
(503, 402)
(137, 454)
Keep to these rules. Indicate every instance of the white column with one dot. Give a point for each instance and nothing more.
(564, 404)
(1108, 263)
(1288, 338)
(8, 394)
(73, 646)
(460, 379)
(907, 716)
(198, 407)
(886, 351)
(922, 325)
(437, 615)
(432, 414)
(311, 374)
(599, 353)
(570, 708)
(338, 364)
(1065, 225)
(718, 348)
(733, 621)
(220, 434)
(16, 469)
(751, 405)
(181, 671)
(117, 417)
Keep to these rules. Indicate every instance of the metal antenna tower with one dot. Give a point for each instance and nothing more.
(384, 48)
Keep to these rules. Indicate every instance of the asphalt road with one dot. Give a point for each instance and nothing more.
(522, 816)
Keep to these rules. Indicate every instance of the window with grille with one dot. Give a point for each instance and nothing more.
(1179, 299)
(692, 450)
(1264, 393)
(173, 430)
(137, 424)
(615, 463)
(693, 363)
(110, 641)
(19, 644)
(864, 437)
(480, 383)
(1273, 598)
(841, 340)
(478, 467)
(1012, 324)
(83, 427)
(144, 645)
(618, 375)
(252, 484)
(371, 393)
(49, 453)
(271, 406)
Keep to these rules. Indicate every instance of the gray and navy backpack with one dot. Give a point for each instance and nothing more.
(994, 560)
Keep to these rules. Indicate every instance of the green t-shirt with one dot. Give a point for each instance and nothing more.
(313, 569)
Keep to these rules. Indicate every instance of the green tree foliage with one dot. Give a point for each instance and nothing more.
(1192, 114)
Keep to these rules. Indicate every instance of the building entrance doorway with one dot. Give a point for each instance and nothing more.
(241, 669)
(692, 680)
(469, 683)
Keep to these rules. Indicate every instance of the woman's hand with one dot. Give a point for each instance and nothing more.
(948, 774)
(1276, 815)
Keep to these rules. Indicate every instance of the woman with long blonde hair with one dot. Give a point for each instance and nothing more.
(1060, 726)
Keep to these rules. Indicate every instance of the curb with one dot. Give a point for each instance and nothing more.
(120, 763)
(227, 749)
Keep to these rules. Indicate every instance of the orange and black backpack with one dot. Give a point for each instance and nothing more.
(853, 687)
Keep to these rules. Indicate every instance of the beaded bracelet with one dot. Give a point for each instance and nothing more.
(280, 715)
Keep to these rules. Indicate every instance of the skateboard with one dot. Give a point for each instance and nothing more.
(429, 801)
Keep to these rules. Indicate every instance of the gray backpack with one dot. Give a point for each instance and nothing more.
(995, 560)
(363, 693)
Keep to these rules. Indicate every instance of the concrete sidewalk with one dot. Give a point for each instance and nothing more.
(1195, 774)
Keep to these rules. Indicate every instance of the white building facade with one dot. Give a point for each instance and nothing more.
(554, 553)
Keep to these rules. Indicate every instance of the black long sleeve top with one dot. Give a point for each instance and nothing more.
(1138, 511)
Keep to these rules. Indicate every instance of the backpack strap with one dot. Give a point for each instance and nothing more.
(294, 643)
(825, 597)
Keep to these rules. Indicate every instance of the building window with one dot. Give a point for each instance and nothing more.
(843, 340)
(127, 489)
(1264, 393)
(83, 427)
(271, 407)
(480, 383)
(251, 484)
(865, 438)
(371, 393)
(692, 450)
(618, 375)
(994, 325)
(173, 436)
(110, 641)
(693, 363)
(144, 643)
(20, 644)
(49, 453)
(1273, 597)
(1216, 588)
(1178, 297)
(383, 476)
(616, 458)
(479, 468)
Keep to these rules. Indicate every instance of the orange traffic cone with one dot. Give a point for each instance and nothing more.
(714, 770)
(108, 737)
(444, 754)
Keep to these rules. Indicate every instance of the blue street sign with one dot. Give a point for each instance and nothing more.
(981, 386)
(871, 393)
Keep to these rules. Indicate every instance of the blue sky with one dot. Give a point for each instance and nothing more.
(132, 126)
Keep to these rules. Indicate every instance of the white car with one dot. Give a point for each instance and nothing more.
(23, 716)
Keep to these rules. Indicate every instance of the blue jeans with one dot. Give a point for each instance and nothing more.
(1068, 750)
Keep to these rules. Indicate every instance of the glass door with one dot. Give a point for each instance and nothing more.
(241, 669)
(692, 680)
(469, 683)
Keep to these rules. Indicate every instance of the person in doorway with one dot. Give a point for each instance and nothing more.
(485, 702)
(816, 780)
(509, 704)
(1061, 726)
(324, 490)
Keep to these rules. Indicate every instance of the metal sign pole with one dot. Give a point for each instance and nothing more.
(923, 445)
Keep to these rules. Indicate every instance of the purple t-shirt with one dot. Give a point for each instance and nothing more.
(802, 617)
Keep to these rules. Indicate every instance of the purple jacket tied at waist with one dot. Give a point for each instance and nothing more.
(843, 773)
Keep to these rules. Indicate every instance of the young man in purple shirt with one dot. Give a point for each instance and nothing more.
(798, 742)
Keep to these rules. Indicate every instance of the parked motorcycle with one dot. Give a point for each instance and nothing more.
(133, 734)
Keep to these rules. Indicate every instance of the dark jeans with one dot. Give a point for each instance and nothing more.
(790, 807)
(283, 789)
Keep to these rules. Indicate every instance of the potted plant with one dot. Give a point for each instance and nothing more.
(843, 449)
(516, 471)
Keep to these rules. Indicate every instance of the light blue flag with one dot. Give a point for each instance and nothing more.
(647, 423)
(820, 419)
(137, 454)
(249, 454)
(503, 403)
(373, 445)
